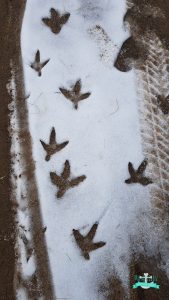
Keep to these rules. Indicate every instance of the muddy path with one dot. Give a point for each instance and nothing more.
(7, 215)
(43, 276)
(11, 20)
(147, 51)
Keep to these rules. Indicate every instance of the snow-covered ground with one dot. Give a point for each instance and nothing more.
(103, 134)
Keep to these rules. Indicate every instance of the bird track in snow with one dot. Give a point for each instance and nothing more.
(64, 182)
(37, 65)
(53, 146)
(56, 20)
(85, 243)
(74, 94)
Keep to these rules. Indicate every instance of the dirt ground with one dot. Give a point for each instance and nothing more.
(143, 18)
(7, 213)
(41, 283)
(142, 265)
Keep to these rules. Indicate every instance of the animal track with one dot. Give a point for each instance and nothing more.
(75, 95)
(53, 146)
(137, 176)
(56, 21)
(63, 182)
(37, 65)
(86, 243)
(163, 103)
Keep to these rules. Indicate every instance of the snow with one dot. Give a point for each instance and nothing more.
(18, 184)
(103, 134)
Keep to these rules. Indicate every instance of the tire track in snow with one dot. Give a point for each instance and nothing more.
(153, 81)
(43, 269)
(39, 243)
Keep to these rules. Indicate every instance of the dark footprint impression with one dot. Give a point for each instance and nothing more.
(85, 243)
(64, 182)
(74, 94)
(37, 65)
(56, 20)
(53, 146)
(137, 176)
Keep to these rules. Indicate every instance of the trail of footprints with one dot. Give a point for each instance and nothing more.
(65, 181)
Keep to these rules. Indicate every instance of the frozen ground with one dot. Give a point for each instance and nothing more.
(103, 136)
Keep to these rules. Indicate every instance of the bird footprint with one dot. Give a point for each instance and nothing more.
(64, 182)
(86, 243)
(56, 21)
(53, 146)
(37, 65)
(137, 176)
(74, 94)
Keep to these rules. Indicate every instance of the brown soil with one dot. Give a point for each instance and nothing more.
(130, 53)
(7, 214)
(148, 265)
(112, 289)
(144, 18)
(150, 15)
(43, 273)
(10, 26)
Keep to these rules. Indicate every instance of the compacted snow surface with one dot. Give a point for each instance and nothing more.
(103, 136)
